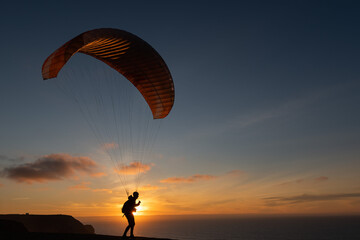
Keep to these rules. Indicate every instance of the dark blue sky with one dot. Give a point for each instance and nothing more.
(227, 59)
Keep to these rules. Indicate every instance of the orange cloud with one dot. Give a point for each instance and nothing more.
(102, 190)
(134, 168)
(194, 178)
(50, 168)
(276, 201)
(98, 174)
(81, 186)
(149, 187)
(85, 186)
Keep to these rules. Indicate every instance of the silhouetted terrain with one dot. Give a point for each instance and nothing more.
(49, 227)
(64, 236)
(49, 223)
(10, 226)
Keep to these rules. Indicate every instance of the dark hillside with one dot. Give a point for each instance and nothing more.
(49, 223)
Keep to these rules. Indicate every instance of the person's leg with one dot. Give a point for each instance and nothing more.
(126, 230)
(132, 225)
(128, 217)
(132, 231)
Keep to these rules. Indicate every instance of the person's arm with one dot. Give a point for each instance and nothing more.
(137, 204)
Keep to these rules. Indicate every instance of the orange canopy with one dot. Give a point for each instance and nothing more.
(127, 54)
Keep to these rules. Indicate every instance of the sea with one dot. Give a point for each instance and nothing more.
(231, 227)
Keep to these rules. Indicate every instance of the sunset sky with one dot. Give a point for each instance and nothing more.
(266, 117)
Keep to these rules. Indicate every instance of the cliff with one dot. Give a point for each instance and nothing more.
(47, 223)
(65, 236)
(49, 227)
(10, 226)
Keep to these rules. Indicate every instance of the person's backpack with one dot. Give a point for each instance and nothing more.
(127, 207)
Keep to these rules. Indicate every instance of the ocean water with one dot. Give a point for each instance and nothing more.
(214, 227)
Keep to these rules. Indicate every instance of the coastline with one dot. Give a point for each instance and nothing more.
(67, 236)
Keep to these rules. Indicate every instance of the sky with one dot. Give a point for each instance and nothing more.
(266, 117)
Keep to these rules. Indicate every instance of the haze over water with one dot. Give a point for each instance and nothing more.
(236, 227)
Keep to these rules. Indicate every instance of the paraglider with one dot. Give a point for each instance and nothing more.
(113, 117)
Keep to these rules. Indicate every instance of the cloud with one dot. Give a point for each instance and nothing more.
(149, 187)
(235, 173)
(297, 181)
(81, 186)
(20, 198)
(194, 178)
(98, 174)
(134, 168)
(110, 145)
(4, 158)
(321, 179)
(201, 177)
(275, 201)
(303, 180)
(85, 186)
(102, 190)
(244, 121)
(51, 168)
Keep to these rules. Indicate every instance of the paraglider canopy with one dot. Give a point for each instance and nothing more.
(129, 55)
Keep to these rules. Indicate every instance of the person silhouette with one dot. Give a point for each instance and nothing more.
(128, 209)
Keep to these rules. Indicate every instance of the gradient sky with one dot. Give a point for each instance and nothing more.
(266, 118)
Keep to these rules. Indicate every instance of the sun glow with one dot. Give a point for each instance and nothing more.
(140, 210)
